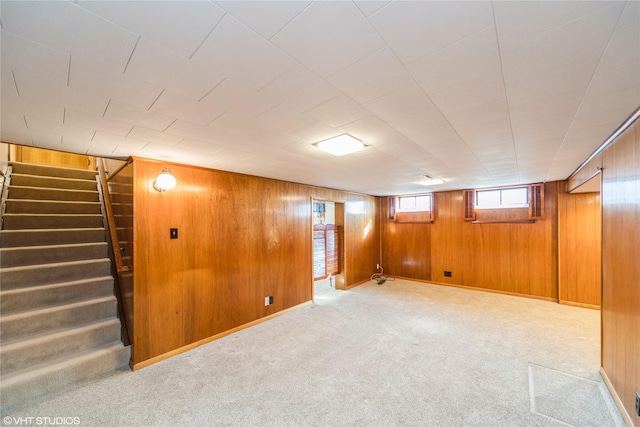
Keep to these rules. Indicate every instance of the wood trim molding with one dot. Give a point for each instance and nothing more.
(579, 304)
(616, 398)
(474, 288)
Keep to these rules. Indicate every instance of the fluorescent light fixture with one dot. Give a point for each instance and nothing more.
(429, 180)
(340, 145)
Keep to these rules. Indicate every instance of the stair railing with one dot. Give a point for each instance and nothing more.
(125, 310)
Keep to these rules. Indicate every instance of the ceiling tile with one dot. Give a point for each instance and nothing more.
(300, 89)
(450, 66)
(579, 42)
(376, 75)
(177, 26)
(328, 37)
(157, 65)
(403, 102)
(120, 111)
(369, 7)
(518, 21)
(64, 26)
(415, 29)
(338, 111)
(172, 104)
(96, 80)
(234, 51)
(264, 17)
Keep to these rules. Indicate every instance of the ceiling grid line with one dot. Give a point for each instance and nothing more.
(586, 90)
(506, 94)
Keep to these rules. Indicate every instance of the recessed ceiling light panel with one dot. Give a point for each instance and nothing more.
(340, 145)
(429, 180)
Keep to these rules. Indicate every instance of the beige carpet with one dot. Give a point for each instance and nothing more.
(401, 353)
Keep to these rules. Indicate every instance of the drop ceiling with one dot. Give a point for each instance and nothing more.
(477, 93)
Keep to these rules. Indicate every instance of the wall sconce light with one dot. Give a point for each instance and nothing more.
(165, 181)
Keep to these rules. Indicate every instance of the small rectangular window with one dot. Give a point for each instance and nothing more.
(414, 203)
(514, 197)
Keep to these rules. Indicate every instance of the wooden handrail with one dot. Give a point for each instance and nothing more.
(111, 222)
(115, 172)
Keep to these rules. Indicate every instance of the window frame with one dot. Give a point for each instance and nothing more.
(410, 216)
(525, 188)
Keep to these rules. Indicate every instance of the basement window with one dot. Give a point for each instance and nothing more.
(421, 203)
(513, 197)
(414, 208)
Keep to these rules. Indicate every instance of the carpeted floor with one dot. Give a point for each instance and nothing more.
(401, 353)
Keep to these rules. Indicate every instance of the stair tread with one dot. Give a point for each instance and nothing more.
(27, 175)
(45, 310)
(69, 190)
(49, 230)
(42, 247)
(60, 333)
(54, 264)
(4, 293)
(67, 361)
(49, 215)
(74, 202)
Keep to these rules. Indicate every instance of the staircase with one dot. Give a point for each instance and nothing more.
(58, 314)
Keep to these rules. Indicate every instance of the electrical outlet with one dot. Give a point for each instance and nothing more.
(271, 300)
(377, 266)
(173, 233)
(638, 403)
(266, 301)
(447, 274)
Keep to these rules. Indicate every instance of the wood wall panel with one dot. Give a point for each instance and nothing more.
(519, 258)
(40, 156)
(240, 238)
(620, 199)
(406, 249)
(579, 259)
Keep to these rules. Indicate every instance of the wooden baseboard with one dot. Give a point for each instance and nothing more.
(353, 285)
(579, 304)
(474, 288)
(616, 398)
(191, 346)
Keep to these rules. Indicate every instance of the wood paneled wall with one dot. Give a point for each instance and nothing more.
(406, 248)
(40, 156)
(579, 259)
(506, 257)
(621, 266)
(240, 238)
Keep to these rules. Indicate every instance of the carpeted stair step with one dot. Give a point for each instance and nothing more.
(27, 324)
(18, 387)
(44, 193)
(36, 297)
(33, 255)
(52, 182)
(52, 171)
(45, 274)
(63, 236)
(14, 206)
(38, 221)
(46, 348)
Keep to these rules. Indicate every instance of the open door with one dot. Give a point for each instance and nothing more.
(328, 222)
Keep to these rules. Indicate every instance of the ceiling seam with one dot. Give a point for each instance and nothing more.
(506, 94)
(207, 36)
(131, 56)
(430, 100)
(586, 90)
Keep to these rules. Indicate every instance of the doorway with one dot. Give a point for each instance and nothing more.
(328, 248)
